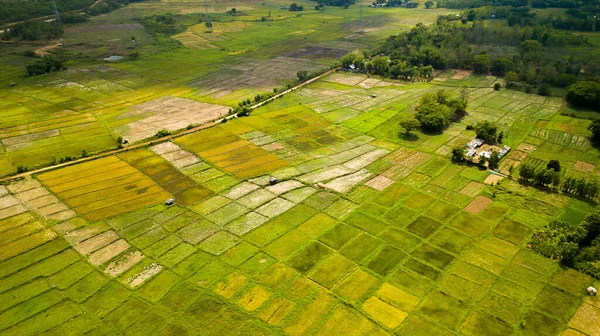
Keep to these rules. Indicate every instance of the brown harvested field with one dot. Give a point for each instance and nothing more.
(97, 242)
(586, 319)
(415, 160)
(462, 74)
(584, 167)
(379, 183)
(104, 28)
(170, 113)
(312, 52)
(472, 189)
(478, 204)
(525, 147)
(124, 263)
(506, 163)
(148, 272)
(108, 252)
(493, 179)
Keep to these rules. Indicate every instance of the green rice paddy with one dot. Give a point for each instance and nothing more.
(367, 232)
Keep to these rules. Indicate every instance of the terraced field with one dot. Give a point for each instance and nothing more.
(367, 232)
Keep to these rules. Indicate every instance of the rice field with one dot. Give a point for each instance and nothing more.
(366, 232)
(362, 234)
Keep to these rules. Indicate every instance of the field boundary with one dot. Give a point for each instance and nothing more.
(163, 139)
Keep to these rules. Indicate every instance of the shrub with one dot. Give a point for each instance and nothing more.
(162, 133)
(584, 94)
(497, 86)
(22, 169)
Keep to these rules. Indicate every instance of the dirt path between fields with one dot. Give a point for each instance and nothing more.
(43, 51)
(163, 139)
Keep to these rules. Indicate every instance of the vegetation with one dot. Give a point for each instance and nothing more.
(576, 246)
(454, 42)
(438, 109)
(584, 94)
(550, 177)
(33, 31)
(44, 66)
(296, 8)
(11, 11)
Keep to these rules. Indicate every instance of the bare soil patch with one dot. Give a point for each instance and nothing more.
(478, 204)
(104, 28)
(584, 167)
(123, 264)
(148, 272)
(462, 74)
(97, 242)
(108, 252)
(171, 113)
(525, 147)
(379, 183)
(493, 179)
(312, 52)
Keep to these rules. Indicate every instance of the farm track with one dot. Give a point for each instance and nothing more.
(163, 139)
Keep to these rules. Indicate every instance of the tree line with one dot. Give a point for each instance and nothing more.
(552, 177)
(529, 58)
(573, 245)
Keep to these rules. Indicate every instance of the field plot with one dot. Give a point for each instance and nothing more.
(183, 188)
(170, 113)
(234, 155)
(103, 188)
(367, 231)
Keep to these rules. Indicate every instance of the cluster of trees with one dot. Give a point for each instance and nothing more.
(44, 66)
(550, 176)
(11, 11)
(574, 245)
(488, 132)
(384, 66)
(594, 127)
(450, 43)
(33, 31)
(296, 8)
(162, 24)
(584, 94)
(337, 3)
(438, 109)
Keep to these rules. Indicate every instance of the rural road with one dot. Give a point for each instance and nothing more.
(163, 139)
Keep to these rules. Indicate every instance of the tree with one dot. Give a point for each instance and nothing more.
(558, 240)
(348, 59)
(486, 131)
(500, 66)
(458, 154)
(429, 4)
(410, 125)
(233, 10)
(511, 78)
(554, 165)
(381, 66)
(481, 63)
(594, 127)
(434, 117)
(302, 75)
(544, 90)
(296, 8)
(584, 94)
(494, 160)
